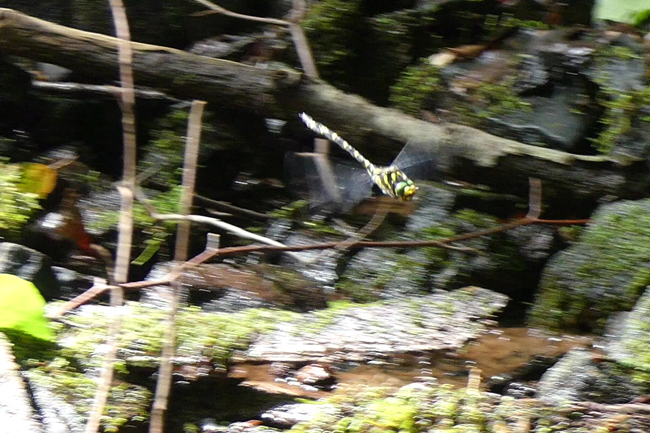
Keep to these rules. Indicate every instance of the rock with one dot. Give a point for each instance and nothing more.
(604, 272)
(439, 321)
(629, 343)
(315, 375)
(579, 377)
(73, 283)
(227, 289)
(285, 417)
(280, 370)
(29, 265)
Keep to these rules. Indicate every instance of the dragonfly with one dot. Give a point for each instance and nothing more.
(391, 180)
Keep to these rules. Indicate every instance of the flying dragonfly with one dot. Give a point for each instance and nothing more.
(352, 184)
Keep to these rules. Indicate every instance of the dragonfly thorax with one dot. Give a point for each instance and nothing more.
(393, 182)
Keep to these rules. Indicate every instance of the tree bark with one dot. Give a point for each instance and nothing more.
(462, 152)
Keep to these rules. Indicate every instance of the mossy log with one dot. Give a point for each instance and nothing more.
(463, 152)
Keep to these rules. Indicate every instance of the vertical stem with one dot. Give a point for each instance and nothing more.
(125, 235)
(164, 383)
(189, 176)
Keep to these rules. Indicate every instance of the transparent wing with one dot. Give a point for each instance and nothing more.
(329, 187)
(418, 161)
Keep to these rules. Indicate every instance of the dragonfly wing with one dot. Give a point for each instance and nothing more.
(354, 185)
(418, 161)
(333, 188)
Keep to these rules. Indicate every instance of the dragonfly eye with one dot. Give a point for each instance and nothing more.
(405, 190)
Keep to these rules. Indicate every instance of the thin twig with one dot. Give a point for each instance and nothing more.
(300, 40)
(151, 210)
(230, 208)
(231, 251)
(125, 234)
(535, 199)
(215, 9)
(163, 385)
(96, 89)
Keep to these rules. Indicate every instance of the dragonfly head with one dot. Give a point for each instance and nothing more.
(405, 189)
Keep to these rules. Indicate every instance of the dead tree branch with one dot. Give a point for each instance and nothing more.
(463, 152)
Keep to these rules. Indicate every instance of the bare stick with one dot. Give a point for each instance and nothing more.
(207, 220)
(231, 251)
(534, 198)
(125, 235)
(300, 40)
(96, 90)
(298, 36)
(531, 219)
(215, 9)
(164, 383)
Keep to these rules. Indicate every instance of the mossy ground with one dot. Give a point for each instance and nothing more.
(63, 370)
(212, 335)
(437, 408)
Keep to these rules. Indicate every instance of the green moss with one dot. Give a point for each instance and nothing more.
(496, 100)
(323, 318)
(604, 272)
(621, 107)
(410, 409)
(634, 361)
(416, 87)
(16, 206)
(331, 27)
(215, 335)
(295, 210)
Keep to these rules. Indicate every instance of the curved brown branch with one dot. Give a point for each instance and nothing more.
(231, 251)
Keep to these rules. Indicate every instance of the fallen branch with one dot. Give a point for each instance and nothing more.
(462, 152)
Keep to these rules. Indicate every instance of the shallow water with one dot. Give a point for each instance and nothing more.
(503, 351)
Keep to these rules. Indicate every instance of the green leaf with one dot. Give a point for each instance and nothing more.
(623, 11)
(21, 308)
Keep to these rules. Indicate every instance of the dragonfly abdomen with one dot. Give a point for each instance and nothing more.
(391, 180)
(323, 130)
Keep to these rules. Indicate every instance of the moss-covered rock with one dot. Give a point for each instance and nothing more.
(439, 321)
(618, 375)
(429, 407)
(604, 272)
(211, 335)
(631, 349)
(579, 377)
